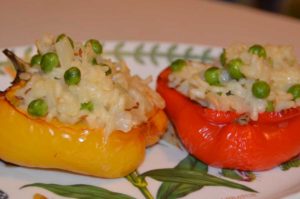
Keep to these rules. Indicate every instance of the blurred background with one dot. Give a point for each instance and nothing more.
(286, 7)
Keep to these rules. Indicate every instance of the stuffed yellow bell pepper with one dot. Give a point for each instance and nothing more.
(72, 109)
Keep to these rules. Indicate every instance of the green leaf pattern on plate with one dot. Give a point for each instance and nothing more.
(156, 52)
(295, 162)
(192, 177)
(170, 190)
(138, 181)
(139, 53)
(80, 191)
(238, 175)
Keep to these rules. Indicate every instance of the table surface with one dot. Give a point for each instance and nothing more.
(185, 21)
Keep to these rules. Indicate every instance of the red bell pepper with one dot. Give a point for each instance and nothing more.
(219, 138)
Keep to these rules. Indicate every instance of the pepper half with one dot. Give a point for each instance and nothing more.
(220, 138)
(33, 142)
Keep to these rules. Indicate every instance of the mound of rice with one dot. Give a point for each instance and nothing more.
(120, 100)
(279, 69)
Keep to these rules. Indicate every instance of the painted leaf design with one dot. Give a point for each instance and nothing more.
(153, 54)
(140, 53)
(188, 53)
(238, 175)
(193, 177)
(139, 181)
(206, 55)
(80, 191)
(171, 52)
(170, 190)
(295, 162)
(117, 51)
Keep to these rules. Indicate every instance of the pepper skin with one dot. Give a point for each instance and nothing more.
(32, 142)
(220, 140)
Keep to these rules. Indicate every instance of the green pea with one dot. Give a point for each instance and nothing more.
(178, 65)
(295, 91)
(258, 50)
(212, 76)
(233, 68)
(223, 57)
(87, 106)
(270, 106)
(261, 89)
(49, 62)
(72, 76)
(61, 36)
(38, 108)
(36, 60)
(96, 46)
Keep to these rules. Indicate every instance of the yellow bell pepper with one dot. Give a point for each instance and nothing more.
(34, 142)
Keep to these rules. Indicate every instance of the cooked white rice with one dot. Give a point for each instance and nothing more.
(121, 101)
(279, 69)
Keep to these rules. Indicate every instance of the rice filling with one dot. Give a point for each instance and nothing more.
(107, 96)
(242, 76)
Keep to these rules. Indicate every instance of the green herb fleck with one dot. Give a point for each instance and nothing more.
(89, 106)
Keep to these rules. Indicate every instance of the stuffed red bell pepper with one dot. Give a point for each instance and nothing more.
(240, 114)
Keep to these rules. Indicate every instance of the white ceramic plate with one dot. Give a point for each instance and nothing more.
(145, 58)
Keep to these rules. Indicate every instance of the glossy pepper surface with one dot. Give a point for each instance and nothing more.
(228, 139)
(34, 142)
